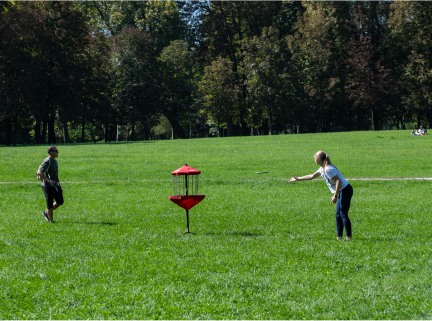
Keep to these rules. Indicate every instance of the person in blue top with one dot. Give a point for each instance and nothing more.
(339, 186)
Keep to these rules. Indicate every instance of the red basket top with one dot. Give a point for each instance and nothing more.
(186, 170)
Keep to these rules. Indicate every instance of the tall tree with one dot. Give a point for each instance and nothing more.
(319, 49)
(20, 30)
(49, 40)
(176, 62)
(135, 75)
(219, 90)
(91, 90)
(268, 75)
(411, 24)
(226, 24)
(368, 80)
(65, 52)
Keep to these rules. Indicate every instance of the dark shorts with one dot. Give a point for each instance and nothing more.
(52, 194)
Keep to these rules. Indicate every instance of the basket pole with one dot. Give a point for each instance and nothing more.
(187, 211)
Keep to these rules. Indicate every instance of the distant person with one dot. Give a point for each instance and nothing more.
(48, 173)
(339, 186)
(420, 132)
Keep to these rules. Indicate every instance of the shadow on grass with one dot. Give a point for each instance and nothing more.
(93, 223)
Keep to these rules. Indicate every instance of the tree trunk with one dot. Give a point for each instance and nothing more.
(37, 131)
(265, 128)
(15, 130)
(298, 128)
(65, 132)
(244, 127)
(112, 132)
(429, 116)
(8, 131)
(349, 119)
(318, 124)
(378, 122)
(230, 129)
(133, 132)
(47, 119)
(418, 119)
(106, 132)
(270, 123)
(83, 126)
(375, 119)
(175, 124)
(44, 131)
(51, 132)
(358, 121)
(146, 131)
(143, 133)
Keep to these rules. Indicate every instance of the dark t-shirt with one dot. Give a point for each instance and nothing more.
(52, 170)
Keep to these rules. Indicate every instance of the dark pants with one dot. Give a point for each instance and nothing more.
(51, 194)
(342, 208)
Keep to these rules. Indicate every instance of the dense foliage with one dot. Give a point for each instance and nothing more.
(103, 71)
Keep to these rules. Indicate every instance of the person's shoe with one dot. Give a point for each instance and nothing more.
(46, 215)
(349, 238)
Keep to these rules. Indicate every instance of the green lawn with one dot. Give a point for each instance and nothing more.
(262, 249)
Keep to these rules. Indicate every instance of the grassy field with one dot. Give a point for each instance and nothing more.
(262, 248)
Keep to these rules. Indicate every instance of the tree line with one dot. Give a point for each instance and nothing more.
(79, 71)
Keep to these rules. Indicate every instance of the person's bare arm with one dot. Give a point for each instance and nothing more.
(303, 178)
(338, 187)
(44, 177)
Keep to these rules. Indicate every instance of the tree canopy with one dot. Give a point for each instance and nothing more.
(97, 71)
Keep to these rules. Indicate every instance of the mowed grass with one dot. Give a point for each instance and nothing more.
(262, 248)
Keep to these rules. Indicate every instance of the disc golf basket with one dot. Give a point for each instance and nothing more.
(186, 189)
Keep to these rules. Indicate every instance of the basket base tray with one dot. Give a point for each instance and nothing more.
(187, 202)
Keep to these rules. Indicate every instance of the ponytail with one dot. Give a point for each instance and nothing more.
(327, 160)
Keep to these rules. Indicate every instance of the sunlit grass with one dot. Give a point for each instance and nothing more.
(262, 249)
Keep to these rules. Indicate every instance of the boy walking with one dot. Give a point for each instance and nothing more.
(48, 173)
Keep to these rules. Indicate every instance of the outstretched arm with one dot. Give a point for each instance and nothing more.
(304, 178)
